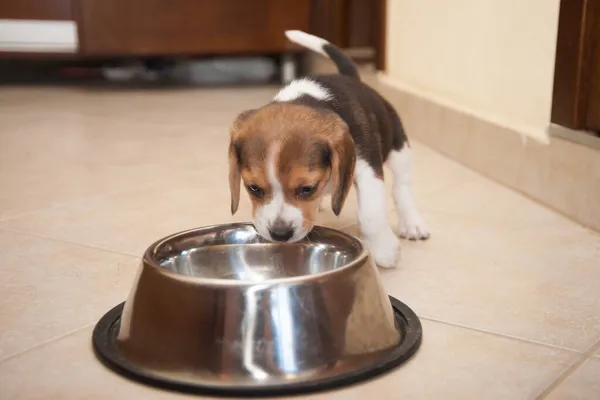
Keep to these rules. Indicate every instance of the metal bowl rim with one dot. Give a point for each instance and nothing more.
(149, 260)
(103, 345)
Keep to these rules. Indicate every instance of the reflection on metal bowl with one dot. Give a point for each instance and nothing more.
(218, 310)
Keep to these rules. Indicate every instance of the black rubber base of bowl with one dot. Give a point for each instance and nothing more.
(105, 346)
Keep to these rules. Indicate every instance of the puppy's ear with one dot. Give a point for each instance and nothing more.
(235, 159)
(343, 160)
(235, 177)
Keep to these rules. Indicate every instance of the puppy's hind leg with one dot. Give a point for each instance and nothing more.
(411, 224)
(372, 216)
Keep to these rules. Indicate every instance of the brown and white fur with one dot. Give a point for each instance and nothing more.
(319, 135)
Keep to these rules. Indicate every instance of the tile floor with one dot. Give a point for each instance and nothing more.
(508, 291)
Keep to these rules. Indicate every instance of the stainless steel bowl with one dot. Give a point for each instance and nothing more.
(219, 310)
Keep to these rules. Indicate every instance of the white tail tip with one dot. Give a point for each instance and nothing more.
(307, 40)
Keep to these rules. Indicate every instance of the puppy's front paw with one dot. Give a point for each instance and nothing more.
(413, 227)
(384, 248)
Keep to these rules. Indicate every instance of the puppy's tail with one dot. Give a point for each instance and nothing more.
(318, 45)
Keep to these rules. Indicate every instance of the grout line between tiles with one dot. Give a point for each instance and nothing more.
(501, 335)
(45, 343)
(89, 246)
(562, 377)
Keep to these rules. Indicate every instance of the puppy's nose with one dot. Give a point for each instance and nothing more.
(281, 232)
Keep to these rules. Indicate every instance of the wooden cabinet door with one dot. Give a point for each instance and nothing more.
(169, 27)
(576, 97)
(54, 10)
(353, 24)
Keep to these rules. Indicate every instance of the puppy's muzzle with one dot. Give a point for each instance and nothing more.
(281, 231)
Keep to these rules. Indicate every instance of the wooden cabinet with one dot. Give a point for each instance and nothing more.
(129, 28)
(150, 27)
(576, 97)
(169, 27)
(57, 10)
(358, 26)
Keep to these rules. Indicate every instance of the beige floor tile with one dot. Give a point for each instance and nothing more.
(582, 384)
(129, 222)
(119, 169)
(455, 363)
(434, 172)
(165, 106)
(488, 202)
(186, 196)
(95, 142)
(57, 148)
(452, 363)
(68, 369)
(498, 262)
(50, 288)
(29, 189)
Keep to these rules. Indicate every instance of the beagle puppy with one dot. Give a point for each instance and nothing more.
(318, 136)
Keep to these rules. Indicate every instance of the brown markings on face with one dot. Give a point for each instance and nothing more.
(309, 148)
(257, 175)
(247, 159)
(303, 162)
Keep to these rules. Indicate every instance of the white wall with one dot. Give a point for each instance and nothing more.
(492, 58)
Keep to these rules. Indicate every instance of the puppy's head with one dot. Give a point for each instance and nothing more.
(288, 156)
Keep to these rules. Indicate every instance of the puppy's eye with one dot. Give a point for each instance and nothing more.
(306, 191)
(256, 191)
